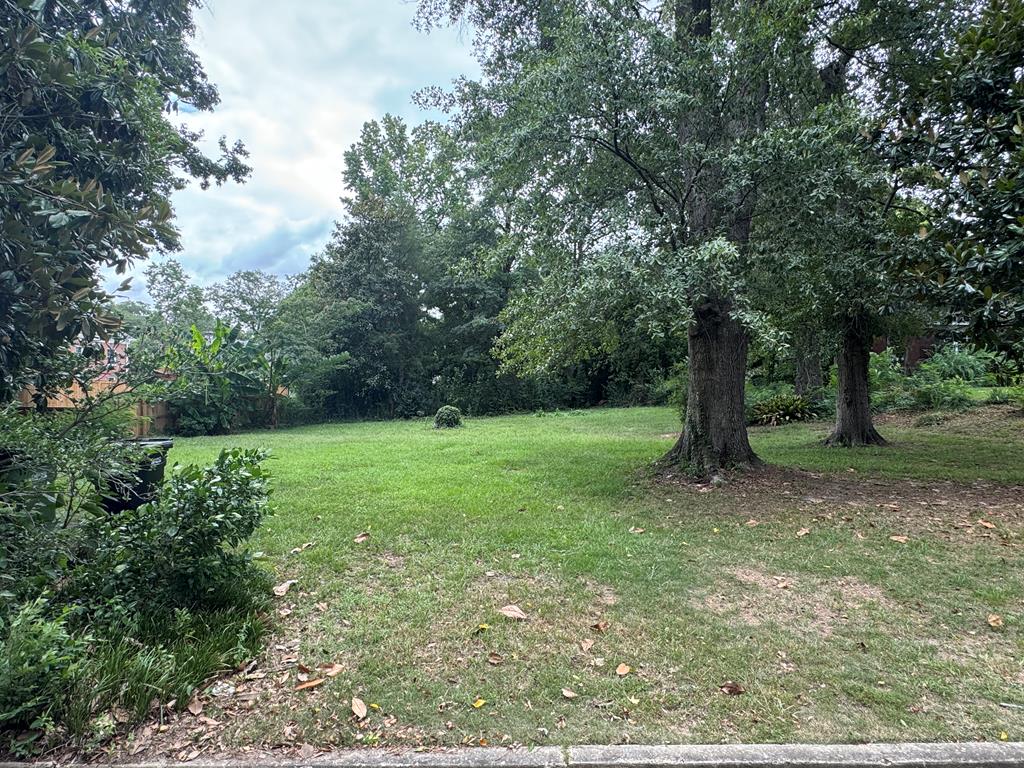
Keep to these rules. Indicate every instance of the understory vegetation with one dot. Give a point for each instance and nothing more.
(108, 613)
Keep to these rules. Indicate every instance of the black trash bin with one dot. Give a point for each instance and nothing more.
(133, 492)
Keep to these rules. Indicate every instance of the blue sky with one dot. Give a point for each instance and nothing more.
(297, 80)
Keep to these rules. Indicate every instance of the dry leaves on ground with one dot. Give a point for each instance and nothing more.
(513, 612)
(358, 708)
(282, 589)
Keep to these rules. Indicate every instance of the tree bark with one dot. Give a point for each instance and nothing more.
(715, 433)
(853, 404)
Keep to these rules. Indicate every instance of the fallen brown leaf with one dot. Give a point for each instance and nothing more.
(362, 537)
(513, 612)
(331, 670)
(899, 539)
(586, 645)
(310, 684)
(634, 529)
(601, 626)
(195, 706)
(358, 708)
(995, 620)
(985, 523)
(730, 688)
(569, 693)
(623, 669)
(282, 589)
(494, 659)
(803, 532)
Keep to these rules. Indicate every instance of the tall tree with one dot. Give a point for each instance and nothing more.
(249, 300)
(646, 111)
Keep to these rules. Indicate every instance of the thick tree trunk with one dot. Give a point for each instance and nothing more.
(853, 403)
(807, 357)
(715, 434)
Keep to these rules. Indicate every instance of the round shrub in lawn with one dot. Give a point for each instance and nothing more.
(447, 417)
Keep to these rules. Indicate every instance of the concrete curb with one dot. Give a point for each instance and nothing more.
(960, 755)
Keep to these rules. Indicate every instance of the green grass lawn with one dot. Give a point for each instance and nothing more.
(785, 582)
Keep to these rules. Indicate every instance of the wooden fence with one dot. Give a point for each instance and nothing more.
(150, 418)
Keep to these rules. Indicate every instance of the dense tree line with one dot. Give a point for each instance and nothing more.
(634, 203)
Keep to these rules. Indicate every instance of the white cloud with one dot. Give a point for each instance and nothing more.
(297, 80)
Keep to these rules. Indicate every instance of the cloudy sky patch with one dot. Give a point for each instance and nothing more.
(297, 80)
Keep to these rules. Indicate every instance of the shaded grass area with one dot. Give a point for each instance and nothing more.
(787, 584)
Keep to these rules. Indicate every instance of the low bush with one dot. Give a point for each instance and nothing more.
(39, 662)
(447, 417)
(100, 611)
(937, 384)
(781, 409)
(955, 362)
(190, 536)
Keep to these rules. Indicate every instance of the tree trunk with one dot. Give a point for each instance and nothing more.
(715, 434)
(807, 356)
(853, 403)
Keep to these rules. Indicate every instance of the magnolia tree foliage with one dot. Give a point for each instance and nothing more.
(960, 143)
(89, 156)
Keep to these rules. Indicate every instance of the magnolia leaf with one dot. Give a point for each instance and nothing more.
(513, 612)
(282, 589)
(358, 708)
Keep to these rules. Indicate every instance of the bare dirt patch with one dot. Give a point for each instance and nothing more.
(803, 605)
(950, 510)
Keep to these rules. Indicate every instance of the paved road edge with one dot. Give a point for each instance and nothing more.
(956, 755)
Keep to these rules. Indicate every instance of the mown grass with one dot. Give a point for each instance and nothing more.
(787, 584)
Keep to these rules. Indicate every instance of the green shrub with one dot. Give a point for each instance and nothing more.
(39, 662)
(447, 417)
(190, 536)
(1006, 396)
(885, 371)
(781, 409)
(929, 394)
(938, 383)
(953, 362)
